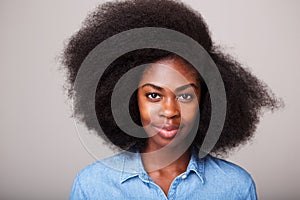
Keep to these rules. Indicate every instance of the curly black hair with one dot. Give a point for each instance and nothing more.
(246, 95)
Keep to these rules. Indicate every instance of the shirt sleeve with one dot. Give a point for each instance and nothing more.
(77, 192)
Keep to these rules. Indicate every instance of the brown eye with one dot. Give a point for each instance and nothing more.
(153, 96)
(185, 97)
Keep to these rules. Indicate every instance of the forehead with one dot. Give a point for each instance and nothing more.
(171, 73)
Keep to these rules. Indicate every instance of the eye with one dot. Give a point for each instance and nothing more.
(185, 97)
(153, 96)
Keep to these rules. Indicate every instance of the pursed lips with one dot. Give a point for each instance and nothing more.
(167, 131)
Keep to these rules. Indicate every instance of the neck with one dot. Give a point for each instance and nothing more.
(176, 167)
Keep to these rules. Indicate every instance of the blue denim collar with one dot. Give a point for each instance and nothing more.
(133, 166)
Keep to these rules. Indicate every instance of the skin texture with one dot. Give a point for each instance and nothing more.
(168, 100)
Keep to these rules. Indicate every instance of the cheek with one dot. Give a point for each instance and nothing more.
(189, 113)
(144, 110)
(148, 111)
(145, 115)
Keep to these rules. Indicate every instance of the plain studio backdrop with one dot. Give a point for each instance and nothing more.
(40, 150)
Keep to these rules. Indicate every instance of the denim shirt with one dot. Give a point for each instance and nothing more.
(123, 177)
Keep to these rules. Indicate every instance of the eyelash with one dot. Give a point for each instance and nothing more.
(189, 97)
(148, 95)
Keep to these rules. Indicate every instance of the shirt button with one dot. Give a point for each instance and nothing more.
(184, 176)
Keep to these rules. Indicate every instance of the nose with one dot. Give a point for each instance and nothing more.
(170, 108)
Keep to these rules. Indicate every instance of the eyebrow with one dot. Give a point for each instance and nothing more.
(176, 90)
(185, 87)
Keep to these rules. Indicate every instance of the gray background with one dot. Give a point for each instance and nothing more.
(40, 152)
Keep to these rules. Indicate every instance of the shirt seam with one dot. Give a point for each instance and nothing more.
(80, 186)
(248, 191)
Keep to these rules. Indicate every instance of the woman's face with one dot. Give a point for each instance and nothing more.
(168, 99)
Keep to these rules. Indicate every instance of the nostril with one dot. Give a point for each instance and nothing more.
(170, 108)
(170, 113)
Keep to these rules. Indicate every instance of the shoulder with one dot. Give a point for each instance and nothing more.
(229, 175)
(106, 168)
(226, 168)
(101, 173)
(104, 174)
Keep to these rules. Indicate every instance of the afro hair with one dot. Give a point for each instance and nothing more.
(246, 94)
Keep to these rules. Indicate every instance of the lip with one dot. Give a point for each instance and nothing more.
(167, 131)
